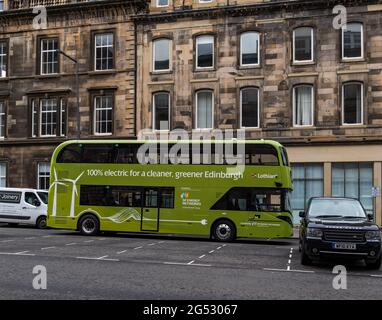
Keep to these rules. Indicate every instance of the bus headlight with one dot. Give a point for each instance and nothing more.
(373, 235)
(314, 233)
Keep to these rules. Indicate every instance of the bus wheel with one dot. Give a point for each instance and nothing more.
(89, 225)
(224, 230)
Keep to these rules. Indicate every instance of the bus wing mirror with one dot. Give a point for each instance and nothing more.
(370, 216)
(302, 214)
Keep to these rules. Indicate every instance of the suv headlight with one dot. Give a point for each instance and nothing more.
(373, 235)
(314, 233)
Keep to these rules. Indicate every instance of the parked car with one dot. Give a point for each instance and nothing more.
(23, 206)
(340, 228)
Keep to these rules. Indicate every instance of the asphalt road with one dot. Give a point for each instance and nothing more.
(127, 266)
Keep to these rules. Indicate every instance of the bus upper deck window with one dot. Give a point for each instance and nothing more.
(70, 154)
(261, 155)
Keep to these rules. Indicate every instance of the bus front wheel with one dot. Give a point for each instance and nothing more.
(224, 231)
(89, 225)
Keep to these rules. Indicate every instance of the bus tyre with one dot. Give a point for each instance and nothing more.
(89, 225)
(41, 223)
(224, 231)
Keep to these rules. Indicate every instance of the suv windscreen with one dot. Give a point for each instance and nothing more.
(336, 207)
(43, 196)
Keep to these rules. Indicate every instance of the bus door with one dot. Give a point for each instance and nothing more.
(150, 210)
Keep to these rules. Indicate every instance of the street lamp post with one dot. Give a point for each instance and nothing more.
(77, 91)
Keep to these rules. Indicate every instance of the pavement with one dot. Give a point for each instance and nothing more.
(132, 266)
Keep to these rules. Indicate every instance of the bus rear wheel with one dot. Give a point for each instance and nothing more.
(224, 231)
(89, 225)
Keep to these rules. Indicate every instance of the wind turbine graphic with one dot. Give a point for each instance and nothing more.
(74, 192)
(55, 184)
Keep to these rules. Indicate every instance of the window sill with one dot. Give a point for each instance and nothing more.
(355, 126)
(204, 70)
(48, 76)
(303, 128)
(4, 79)
(102, 72)
(158, 73)
(355, 60)
(302, 64)
(249, 67)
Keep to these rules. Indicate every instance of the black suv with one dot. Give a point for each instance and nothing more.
(340, 228)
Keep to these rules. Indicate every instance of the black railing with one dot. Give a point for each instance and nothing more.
(20, 4)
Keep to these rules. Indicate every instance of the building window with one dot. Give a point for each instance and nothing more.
(308, 181)
(303, 45)
(43, 175)
(352, 41)
(48, 117)
(162, 3)
(352, 103)
(104, 51)
(1, 5)
(204, 109)
(249, 108)
(161, 111)
(303, 105)
(249, 49)
(3, 119)
(354, 180)
(161, 54)
(3, 175)
(49, 56)
(3, 59)
(103, 115)
(204, 52)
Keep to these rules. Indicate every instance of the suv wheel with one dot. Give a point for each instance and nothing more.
(305, 260)
(375, 265)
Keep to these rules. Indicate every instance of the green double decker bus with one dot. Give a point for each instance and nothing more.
(101, 186)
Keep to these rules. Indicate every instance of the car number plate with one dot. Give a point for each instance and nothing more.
(345, 246)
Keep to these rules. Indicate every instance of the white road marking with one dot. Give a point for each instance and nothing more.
(218, 248)
(376, 275)
(102, 239)
(224, 245)
(286, 270)
(22, 252)
(152, 244)
(212, 251)
(191, 262)
(7, 240)
(47, 236)
(88, 241)
(71, 244)
(47, 248)
(98, 259)
(187, 264)
(120, 252)
(201, 257)
(161, 242)
(138, 248)
(17, 254)
(30, 238)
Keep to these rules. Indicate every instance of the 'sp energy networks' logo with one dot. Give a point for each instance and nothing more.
(187, 201)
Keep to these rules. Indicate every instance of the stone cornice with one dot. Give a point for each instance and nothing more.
(82, 10)
(250, 9)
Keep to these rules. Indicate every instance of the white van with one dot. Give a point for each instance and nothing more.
(23, 206)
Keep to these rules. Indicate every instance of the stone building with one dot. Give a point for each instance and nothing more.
(38, 96)
(280, 69)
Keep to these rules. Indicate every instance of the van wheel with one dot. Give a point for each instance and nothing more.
(224, 231)
(89, 225)
(13, 224)
(41, 223)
